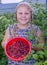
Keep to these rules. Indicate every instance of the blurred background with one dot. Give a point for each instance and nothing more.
(9, 5)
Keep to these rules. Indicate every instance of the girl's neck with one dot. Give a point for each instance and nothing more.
(23, 26)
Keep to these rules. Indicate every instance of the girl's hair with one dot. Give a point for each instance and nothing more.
(15, 14)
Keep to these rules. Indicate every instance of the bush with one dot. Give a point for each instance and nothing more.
(40, 19)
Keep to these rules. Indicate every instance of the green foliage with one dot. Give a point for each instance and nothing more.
(5, 21)
(40, 19)
(45, 63)
(38, 63)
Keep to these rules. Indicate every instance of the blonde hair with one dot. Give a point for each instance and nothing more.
(15, 14)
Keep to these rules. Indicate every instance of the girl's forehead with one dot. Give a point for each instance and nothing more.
(23, 7)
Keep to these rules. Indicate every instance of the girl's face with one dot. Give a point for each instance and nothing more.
(23, 15)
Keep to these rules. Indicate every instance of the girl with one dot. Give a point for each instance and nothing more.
(23, 16)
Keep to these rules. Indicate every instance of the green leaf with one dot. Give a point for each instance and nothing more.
(34, 45)
(45, 63)
(41, 45)
(31, 37)
(38, 63)
(37, 38)
(41, 57)
(32, 52)
(35, 56)
(40, 52)
(45, 52)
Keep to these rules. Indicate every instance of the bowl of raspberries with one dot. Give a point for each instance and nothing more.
(17, 48)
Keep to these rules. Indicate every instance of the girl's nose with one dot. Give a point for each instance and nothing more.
(23, 15)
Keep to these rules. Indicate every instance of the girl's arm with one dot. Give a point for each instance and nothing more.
(6, 38)
(41, 40)
(39, 34)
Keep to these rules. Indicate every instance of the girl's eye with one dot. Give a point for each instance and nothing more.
(20, 13)
(26, 13)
